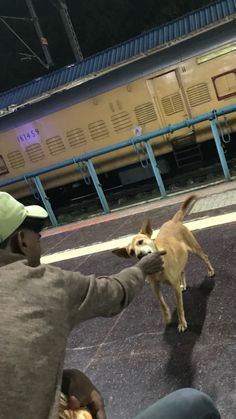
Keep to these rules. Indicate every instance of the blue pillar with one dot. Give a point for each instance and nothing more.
(98, 186)
(155, 169)
(220, 149)
(45, 200)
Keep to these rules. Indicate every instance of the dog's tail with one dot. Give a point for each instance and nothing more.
(179, 216)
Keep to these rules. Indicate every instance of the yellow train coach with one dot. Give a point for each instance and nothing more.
(175, 80)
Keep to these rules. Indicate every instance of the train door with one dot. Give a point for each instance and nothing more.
(171, 105)
(170, 102)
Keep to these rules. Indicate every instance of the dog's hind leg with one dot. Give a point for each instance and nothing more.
(182, 326)
(155, 286)
(195, 248)
(198, 251)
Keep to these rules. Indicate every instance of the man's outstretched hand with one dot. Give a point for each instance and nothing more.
(152, 263)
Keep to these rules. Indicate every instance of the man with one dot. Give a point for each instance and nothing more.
(40, 305)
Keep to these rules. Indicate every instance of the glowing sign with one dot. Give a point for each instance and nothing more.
(216, 53)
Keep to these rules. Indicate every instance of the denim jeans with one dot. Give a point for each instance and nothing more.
(186, 403)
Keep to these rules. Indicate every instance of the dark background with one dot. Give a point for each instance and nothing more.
(98, 24)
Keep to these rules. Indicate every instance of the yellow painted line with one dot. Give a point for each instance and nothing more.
(123, 241)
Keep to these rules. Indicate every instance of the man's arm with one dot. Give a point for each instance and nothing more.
(106, 296)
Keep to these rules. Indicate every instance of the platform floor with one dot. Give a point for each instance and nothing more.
(133, 358)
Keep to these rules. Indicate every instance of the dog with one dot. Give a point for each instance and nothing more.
(177, 240)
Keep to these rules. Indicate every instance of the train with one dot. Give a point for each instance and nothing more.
(176, 81)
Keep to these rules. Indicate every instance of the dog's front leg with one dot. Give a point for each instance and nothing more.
(182, 326)
(183, 285)
(155, 285)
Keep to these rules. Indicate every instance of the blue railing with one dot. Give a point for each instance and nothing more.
(211, 116)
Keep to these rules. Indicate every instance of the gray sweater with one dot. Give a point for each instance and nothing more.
(38, 309)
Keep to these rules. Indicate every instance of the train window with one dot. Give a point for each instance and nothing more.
(145, 113)
(198, 94)
(121, 122)
(16, 159)
(98, 130)
(172, 104)
(3, 166)
(76, 137)
(55, 145)
(35, 152)
(225, 84)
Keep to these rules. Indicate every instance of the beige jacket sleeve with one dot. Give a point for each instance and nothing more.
(90, 297)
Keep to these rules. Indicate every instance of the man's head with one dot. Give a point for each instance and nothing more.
(20, 228)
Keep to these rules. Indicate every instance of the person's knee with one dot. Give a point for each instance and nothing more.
(198, 401)
(182, 404)
(191, 394)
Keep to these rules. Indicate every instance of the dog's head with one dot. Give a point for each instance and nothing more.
(140, 245)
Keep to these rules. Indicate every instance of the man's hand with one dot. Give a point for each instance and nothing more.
(82, 393)
(152, 263)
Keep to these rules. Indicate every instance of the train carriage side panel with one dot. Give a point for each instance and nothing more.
(195, 86)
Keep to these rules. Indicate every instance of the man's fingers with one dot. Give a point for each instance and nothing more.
(73, 403)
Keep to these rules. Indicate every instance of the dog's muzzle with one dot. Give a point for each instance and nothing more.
(142, 254)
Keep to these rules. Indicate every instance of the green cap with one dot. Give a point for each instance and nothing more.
(13, 213)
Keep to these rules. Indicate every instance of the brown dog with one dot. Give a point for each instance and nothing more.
(177, 241)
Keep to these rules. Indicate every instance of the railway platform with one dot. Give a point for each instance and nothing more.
(133, 358)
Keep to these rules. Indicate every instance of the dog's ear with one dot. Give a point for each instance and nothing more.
(122, 252)
(146, 228)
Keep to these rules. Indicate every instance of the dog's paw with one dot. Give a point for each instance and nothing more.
(182, 326)
(211, 273)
